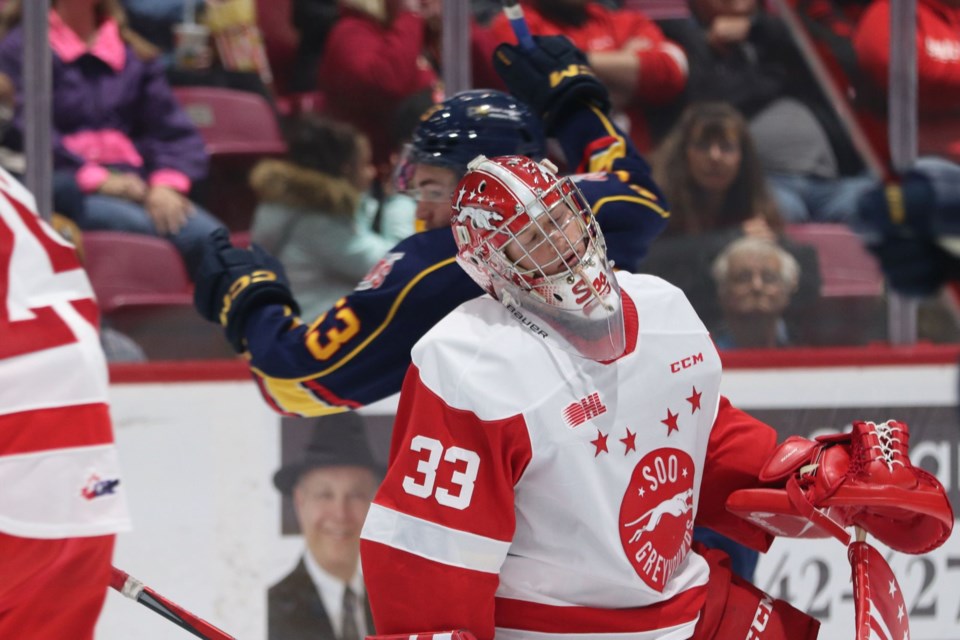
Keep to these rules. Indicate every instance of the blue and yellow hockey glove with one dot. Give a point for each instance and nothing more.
(232, 282)
(552, 78)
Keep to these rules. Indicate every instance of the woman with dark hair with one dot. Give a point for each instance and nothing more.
(317, 215)
(711, 174)
(118, 133)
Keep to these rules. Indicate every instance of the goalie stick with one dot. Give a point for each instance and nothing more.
(136, 590)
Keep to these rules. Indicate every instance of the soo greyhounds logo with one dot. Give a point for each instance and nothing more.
(656, 515)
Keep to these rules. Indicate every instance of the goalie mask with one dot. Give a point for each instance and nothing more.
(530, 240)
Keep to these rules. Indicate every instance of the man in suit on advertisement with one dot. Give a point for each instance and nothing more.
(331, 485)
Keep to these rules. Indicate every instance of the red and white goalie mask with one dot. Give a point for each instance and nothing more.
(531, 241)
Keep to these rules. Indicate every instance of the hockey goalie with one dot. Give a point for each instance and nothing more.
(548, 464)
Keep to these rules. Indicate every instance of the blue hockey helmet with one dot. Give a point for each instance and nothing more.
(472, 123)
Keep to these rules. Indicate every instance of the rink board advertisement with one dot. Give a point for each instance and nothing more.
(210, 532)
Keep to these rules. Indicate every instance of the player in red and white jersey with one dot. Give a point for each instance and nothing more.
(62, 500)
(557, 440)
(545, 474)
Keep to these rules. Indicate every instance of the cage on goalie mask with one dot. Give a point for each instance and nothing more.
(530, 240)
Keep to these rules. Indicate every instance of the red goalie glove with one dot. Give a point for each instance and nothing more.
(862, 478)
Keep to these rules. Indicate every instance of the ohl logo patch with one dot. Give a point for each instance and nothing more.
(656, 515)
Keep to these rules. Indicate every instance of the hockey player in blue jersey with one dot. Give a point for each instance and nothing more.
(359, 350)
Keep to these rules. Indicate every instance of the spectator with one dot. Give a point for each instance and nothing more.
(117, 129)
(710, 172)
(755, 279)
(313, 19)
(938, 69)
(117, 346)
(627, 50)
(332, 485)
(741, 54)
(711, 175)
(316, 213)
(380, 52)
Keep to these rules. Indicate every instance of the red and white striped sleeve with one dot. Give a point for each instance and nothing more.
(441, 524)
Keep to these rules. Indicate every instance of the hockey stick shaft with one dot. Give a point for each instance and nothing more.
(137, 591)
(514, 13)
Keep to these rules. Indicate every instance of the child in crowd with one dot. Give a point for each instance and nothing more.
(316, 213)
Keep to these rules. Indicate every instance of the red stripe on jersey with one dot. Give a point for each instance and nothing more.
(330, 397)
(88, 310)
(532, 616)
(269, 399)
(408, 593)
(598, 145)
(60, 428)
(449, 467)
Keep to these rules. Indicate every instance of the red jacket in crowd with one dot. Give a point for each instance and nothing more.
(938, 68)
(369, 68)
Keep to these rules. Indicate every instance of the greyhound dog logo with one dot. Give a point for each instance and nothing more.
(656, 515)
(480, 218)
(675, 506)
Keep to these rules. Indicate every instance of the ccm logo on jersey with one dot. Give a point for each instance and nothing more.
(760, 619)
(686, 363)
(576, 413)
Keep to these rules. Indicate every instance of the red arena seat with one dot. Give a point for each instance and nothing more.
(239, 128)
(145, 293)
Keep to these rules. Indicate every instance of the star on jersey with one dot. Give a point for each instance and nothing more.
(893, 588)
(694, 400)
(600, 443)
(629, 442)
(671, 422)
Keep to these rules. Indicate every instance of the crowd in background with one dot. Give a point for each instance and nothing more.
(740, 133)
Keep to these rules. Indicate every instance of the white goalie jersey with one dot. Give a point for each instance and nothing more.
(536, 494)
(58, 464)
